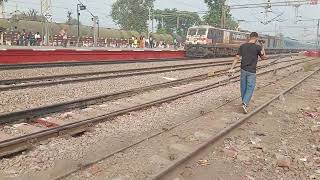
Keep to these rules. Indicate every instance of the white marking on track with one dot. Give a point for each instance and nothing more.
(170, 79)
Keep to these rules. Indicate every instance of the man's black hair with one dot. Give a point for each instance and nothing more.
(254, 35)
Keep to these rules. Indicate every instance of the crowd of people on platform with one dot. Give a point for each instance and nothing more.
(28, 38)
(143, 42)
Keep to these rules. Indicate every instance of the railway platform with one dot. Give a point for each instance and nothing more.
(20, 55)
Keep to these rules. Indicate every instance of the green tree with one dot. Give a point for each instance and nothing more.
(174, 21)
(132, 14)
(213, 16)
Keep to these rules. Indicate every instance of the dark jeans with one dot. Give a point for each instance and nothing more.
(247, 85)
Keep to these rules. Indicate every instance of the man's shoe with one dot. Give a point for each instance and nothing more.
(244, 107)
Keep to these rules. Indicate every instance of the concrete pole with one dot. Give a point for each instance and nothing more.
(223, 14)
(178, 22)
(152, 21)
(318, 29)
(46, 12)
(162, 22)
(95, 18)
(78, 24)
(46, 27)
(2, 14)
(148, 30)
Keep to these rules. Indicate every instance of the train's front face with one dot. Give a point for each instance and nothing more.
(197, 36)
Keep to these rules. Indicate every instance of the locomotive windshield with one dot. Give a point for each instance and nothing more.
(202, 32)
(192, 32)
(199, 32)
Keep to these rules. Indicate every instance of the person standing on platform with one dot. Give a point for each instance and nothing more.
(18, 38)
(64, 35)
(32, 39)
(29, 39)
(249, 52)
(131, 42)
(37, 37)
(135, 43)
(151, 43)
(142, 42)
(25, 37)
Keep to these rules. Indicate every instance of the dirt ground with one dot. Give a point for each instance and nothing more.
(280, 143)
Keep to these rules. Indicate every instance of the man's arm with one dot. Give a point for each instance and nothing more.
(236, 60)
(263, 54)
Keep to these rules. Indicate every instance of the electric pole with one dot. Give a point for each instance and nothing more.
(149, 23)
(2, 14)
(223, 14)
(318, 29)
(162, 22)
(46, 13)
(80, 7)
(152, 21)
(178, 22)
(296, 13)
(95, 34)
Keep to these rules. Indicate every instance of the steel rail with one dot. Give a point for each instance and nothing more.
(14, 84)
(225, 132)
(88, 63)
(82, 103)
(24, 142)
(84, 166)
(76, 75)
(77, 63)
(87, 79)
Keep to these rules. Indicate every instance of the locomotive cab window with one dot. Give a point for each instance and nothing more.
(202, 32)
(192, 32)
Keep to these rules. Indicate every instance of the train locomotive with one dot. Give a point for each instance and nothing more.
(207, 41)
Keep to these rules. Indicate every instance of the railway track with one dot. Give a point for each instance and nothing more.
(171, 170)
(44, 81)
(24, 142)
(30, 114)
(75, 63)
(14, 84)
(90, 63)
(189, 150)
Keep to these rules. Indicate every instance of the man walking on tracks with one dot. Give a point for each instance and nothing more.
(249, 52)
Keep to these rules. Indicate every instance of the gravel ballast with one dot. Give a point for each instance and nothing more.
(124, 128)
(38, 72)
(30, 98)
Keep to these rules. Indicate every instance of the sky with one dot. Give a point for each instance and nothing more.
(252, 17)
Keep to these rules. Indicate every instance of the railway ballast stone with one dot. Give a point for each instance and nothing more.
(315, 128)
(283, 161)
(230, 152)
(247, 178)
(243, 158)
